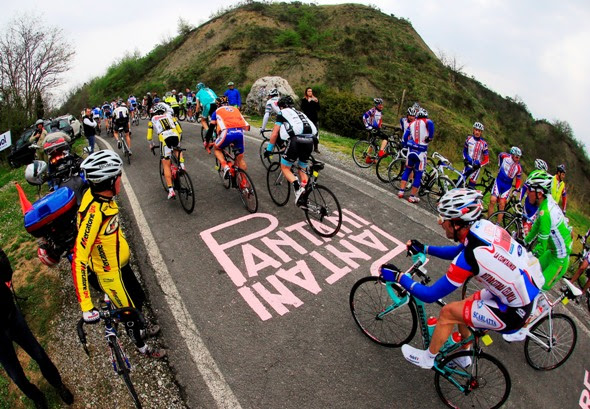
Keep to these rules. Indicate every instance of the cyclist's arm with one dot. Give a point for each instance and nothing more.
(430, 128)
(177, 126)
(466, 153)
(445, 252)
(485, 159)
(406, 137)
(265, 119)
(366, 118)
(150, 131)
(541, 230)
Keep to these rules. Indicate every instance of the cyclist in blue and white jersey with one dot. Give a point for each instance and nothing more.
(530, 209)
(271, 107)
(416, 138)
(107, 113)
(510, 169)
(373, 120)
(510, 278)
(475, 154)
(405, 121)
(132, 105)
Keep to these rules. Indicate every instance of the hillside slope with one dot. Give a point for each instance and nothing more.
(349, 54)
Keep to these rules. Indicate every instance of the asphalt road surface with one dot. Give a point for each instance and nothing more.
(254, 308)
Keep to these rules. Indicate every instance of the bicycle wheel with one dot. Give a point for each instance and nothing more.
(509, 222)
(440, 186)
(269, 160)
(470, 287)
(123, 370)
(395, 172)
(382, 168)
(383, 320)
(278, 187)
(560, 330)
(182, 115)
(203, 133)
(185, 191)
(484, 384)
(247, 190)
(226, 182)
(364, 151)
(320, 206)
(162, 178)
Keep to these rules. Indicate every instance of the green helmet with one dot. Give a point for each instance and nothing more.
(539, 181)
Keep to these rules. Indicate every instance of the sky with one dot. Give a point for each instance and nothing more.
(536, 50)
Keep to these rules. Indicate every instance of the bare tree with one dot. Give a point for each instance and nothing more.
(452, 63)
(33, 58)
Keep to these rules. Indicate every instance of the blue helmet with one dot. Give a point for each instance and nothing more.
(200, 85)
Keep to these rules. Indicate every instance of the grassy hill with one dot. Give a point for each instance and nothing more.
(349, 54)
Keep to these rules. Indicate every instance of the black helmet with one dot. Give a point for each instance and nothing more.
(222, 100)
(285, 101)
(561, 168)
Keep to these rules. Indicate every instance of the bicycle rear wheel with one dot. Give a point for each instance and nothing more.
(561, 331)
(509, 222)
(395, 172)
(247, 190)
(185, 190)
(382, 167)
(320, 205)
(278, 187)
(437, 190)
(484, 384)
(225, 181)
(123, 370)
(383, 320)
(364, 151)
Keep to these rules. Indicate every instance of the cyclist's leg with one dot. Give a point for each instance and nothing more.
(580, 271)
(236, 136)
(165, 152)
(304, 149)
(418, 170)
(220, 143)
(553, 268)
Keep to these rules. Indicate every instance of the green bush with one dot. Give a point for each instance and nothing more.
(340, 113)
(288, 38)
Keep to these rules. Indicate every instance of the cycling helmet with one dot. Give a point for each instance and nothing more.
(35, 171)
(174, 91)
(149, 93)
(515, 150)
(539, 181)
(561, 168)
(412, 111)
(102, 165)
(222, 100)
(123, 104)
(377, 101)
(159, 109)
(229, 84)
(285, 101)
(180, 94)
(461, 204)
(168, 94)
(105, 103)
(541, 164)
(416, 106)
(478, 125)
(38, 122)
(200, 85)
(422, 113)
(273, 92)
(47, 257)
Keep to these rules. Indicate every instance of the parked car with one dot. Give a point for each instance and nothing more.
(20, 153)
(61, 124)
(73, 122)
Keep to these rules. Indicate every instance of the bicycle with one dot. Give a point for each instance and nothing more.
(392, 152)
(119, 359)
(389, 316)
(365, 151)
(135, 119)
(511, 218)
(486, 182)
(182, 113)
(277, 150)
(181, 180)
(550, 337)
(317, 202)
(125, 147)
(238, 179)
(143, 113)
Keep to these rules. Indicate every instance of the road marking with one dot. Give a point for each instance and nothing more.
(219, 388)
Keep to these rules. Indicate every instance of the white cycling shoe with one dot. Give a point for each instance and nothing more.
(462, 362)
(418, 357)
(518, 336)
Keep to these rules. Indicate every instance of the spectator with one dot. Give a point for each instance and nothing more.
(558, 190)
(38, 138)
(14, 328)
(233, 96)
(150, 102)
(310, 107)
(89, 128)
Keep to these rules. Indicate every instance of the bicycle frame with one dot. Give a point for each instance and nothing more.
(444, 163)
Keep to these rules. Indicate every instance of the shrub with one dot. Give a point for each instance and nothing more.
(340, 113)
(288, 38)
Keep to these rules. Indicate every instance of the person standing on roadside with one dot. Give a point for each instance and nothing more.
(89, 128)
(310, 106)
(558, 191)
(14, 328)
(150, 103)
(233, 96)
(38, 138)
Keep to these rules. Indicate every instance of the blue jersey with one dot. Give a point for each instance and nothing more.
(206, 96)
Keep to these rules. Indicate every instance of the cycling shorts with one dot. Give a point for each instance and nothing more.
(233, 136)
(108, 114)
(298, 147)
(122, 124)
(482, 311)
(416, 160)
(168, 146)
(207, 109)
(501, 189)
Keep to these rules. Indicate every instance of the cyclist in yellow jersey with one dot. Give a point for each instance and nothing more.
(101, 248)
(169, 135)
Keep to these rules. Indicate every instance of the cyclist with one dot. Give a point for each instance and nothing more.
(107, 113)
(558, 190)
(205, 101)
(169, 134)
(530, 210)
(190, 97)
(170, 100)
(416, 138)
(296, 128)
(102, 248)
(96, 115)
(373, 120)
(405, 121)
(475, 154)
(509, 164)
(156, 98)
(490, 255)
(271, 107)
(230, 126)
(182, 102)
(149, 103)
(132, 104)
(121, 118)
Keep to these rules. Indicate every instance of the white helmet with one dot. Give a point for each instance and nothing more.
(478, 126)
(515, 150)
(541, 164)
(35, 172)
(273, 92)
(102, 165)
(421, 113)
(461, 204)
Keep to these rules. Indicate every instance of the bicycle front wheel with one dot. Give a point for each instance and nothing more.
(551, 342)
(278, 186)
(395, 172)
(321, 205)
(509, 222)
(484, 384)
(384, 320)
(267, 161)
(186, 192)
(247, 191)
(363, 152)
(382, 167)
(226, 181)
(437, 190)
(123, 370)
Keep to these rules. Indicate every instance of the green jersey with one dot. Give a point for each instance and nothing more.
(551, 230)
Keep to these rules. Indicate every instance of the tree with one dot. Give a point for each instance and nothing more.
(33, 58)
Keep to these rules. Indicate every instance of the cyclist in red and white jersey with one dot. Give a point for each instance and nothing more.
(475, 154)
(510, 169)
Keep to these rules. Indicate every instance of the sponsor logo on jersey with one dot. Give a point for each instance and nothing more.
(521, 313)
(519, 250)
(486, 320)
(84, 240)
(504, 261)
(505, 290)
(114, 296)
(480, 304)
(103, 257)
(112, 226)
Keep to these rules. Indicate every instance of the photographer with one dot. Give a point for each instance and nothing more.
(38, 138)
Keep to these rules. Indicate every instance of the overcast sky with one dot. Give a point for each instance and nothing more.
(537, 50)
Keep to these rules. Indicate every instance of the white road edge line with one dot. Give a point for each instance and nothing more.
(219, 388)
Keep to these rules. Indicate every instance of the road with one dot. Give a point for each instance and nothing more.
(254, 308)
